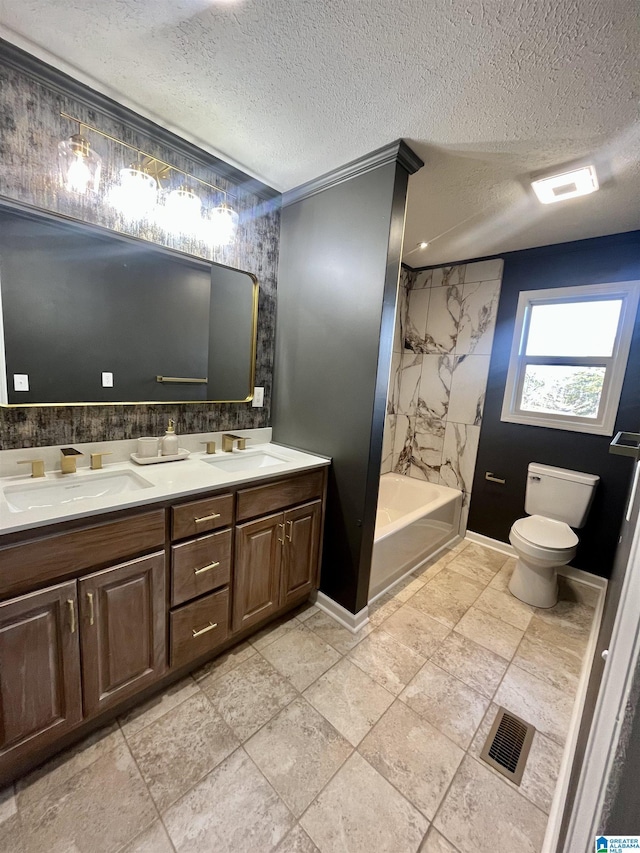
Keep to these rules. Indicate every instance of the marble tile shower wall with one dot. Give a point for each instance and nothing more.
(442, 345)
(31, 129)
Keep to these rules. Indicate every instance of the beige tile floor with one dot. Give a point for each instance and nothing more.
(308, 738)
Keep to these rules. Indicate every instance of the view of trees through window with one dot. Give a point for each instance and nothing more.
(564, 390)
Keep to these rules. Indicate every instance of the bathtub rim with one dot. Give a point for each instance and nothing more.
(448, 495)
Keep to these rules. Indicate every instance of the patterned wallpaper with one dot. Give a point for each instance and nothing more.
(442, 346)
(31, 129)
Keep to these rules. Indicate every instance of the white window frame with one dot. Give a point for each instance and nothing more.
(616, 364)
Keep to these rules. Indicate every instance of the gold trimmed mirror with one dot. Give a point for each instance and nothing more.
(91, 316)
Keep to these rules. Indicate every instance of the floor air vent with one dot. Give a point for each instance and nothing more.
(508, 745)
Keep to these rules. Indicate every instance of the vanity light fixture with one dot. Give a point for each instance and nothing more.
(182, 211)
(137, 193)
(223, 222)
(148, 189)
(571, 184)
(79, 164)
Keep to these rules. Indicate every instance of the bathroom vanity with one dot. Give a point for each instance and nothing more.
(125, 593)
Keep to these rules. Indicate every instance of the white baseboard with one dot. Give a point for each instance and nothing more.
(488, 542)
(351, 621)
(584, 577)
(565, 571)
(556, 812)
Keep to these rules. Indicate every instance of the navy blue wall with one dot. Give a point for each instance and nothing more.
(506, 449)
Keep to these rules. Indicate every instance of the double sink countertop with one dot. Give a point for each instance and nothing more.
(27, 502)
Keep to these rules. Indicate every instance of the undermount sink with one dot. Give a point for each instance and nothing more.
(68, 490)
(245, 460)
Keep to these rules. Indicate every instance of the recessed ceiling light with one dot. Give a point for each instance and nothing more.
(566, 185)
(422, 245)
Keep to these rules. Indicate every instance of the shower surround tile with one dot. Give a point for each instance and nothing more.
(445, 306)
(415, 330)
(478, 317)
(466, 402)
(445, 323)
(411, 370)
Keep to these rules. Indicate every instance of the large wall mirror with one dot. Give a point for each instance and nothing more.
(92, 316)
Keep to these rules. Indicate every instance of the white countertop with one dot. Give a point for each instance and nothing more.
(168, 480)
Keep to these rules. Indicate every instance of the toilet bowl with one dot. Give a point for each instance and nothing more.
(542, 545)
(556, 499)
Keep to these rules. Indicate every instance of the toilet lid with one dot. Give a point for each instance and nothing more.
(546, 532)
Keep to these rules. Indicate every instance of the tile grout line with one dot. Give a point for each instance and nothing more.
(151, 797)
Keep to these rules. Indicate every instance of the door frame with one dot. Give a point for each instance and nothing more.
(609, 715)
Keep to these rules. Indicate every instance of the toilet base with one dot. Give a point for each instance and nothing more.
(535, 585)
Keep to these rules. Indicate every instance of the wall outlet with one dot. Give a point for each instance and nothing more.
(20, 381)
(107, 380)
(258, 398)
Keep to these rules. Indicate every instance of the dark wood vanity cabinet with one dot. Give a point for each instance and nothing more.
(257, 569)
(40, 685)
(300, 552)
(122, 631)
(276, 555)
(93, 614)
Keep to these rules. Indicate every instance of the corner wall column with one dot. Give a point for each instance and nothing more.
(340, 253)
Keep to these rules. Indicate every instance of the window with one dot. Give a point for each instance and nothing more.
(569, 355)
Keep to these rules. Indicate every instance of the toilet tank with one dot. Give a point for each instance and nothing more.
(559, 493)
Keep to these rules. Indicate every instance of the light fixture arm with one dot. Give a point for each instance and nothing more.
(150, 157)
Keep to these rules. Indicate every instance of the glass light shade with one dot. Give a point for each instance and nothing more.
(223, 222)
(80, 166)
(136, 195)
(182, 212)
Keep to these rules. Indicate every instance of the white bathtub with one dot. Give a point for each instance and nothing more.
(414, 520)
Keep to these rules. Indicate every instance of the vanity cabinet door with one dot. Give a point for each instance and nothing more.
(300, 555)
(40, 695)
(123, 628)
(256, 577)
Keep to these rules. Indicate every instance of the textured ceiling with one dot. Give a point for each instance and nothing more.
(485, 92)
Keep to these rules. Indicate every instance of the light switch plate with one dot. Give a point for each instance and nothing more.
(258, 398)
(20, 381)
(107, 380)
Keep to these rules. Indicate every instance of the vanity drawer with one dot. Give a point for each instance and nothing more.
(199, 627)
(29, 564)
(199, 516)
(261, 500)
(200, 566)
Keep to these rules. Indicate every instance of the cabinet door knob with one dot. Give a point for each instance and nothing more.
(204, 630)
(206, 568)
(72, 615)
(91, 613)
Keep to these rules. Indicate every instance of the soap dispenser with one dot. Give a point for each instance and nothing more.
(169, 444)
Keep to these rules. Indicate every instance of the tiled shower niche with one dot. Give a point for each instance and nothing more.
(445, 322)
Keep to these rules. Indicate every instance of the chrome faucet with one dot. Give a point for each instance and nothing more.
(68, 460)
(229, 439)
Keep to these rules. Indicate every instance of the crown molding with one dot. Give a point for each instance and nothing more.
(397, 152)
(20, 60)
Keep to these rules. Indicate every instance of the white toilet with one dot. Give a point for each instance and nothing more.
(556, 500)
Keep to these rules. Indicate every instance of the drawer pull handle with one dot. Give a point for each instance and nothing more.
(202, 631)
(206, 568)
(290, 530)
(72, 615)
(203, 518)
(91, 613)
(281, 529)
